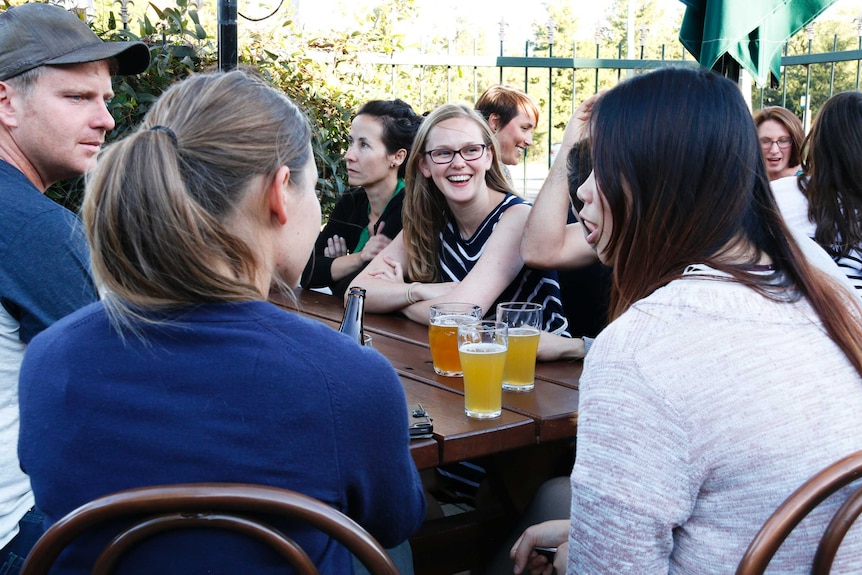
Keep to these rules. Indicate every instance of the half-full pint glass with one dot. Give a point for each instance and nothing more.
(444, 319)
(482, 347)
(524, 321)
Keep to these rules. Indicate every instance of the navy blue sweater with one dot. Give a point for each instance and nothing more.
(230, 392)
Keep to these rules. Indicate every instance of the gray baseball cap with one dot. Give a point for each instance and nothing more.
(33, 35)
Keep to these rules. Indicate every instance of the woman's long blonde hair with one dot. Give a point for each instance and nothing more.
(424, 211)
(157, 205)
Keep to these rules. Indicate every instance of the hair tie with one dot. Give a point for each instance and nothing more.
(410, 299)
(166, 130)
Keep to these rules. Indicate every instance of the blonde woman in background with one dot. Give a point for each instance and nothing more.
(462, 228)
(512, 116)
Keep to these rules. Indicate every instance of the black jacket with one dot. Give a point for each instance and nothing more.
(348, 218)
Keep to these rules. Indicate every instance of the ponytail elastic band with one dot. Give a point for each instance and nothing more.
(167, 131)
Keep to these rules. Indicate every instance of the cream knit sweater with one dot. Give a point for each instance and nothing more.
(702, 408)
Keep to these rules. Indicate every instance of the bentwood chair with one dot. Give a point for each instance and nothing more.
(228, 506)
(796, 507)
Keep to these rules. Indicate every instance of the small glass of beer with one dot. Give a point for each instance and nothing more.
(444, 319)
(524, 320)
(482, 347)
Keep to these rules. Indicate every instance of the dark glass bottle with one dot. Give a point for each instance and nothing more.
(352, 323)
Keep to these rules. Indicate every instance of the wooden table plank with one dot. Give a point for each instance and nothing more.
(460, 437)
(552, 404)
(322, 306)
(425, 453)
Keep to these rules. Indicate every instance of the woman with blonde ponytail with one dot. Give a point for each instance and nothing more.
(184, 372)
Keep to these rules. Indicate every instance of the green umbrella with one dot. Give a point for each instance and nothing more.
(726, 34)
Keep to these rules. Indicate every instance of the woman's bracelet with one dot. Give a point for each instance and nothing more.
(410, 300)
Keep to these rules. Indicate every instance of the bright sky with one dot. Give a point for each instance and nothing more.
(519, 15)
(437, 14)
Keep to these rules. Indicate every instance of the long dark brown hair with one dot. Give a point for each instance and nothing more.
(832, 178)
(677, 159)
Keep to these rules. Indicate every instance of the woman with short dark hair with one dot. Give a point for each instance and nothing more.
(368, 216)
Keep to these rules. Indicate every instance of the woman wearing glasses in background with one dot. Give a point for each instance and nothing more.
(462, 229)
(781, 135)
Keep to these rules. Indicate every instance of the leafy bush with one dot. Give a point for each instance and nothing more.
(179, 46)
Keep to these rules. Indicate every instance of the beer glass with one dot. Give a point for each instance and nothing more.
(444, 319)
(482, 347)
(524, 321)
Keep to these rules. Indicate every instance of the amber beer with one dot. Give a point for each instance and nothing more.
(520, 371)
(444, 320)
(443, 338)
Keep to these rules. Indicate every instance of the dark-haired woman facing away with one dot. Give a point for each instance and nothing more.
(832, 181)
(367, 217)
(732, 369)
(184, 372)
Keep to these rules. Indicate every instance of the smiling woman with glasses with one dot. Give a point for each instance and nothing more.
(468, 153)
(460, 240)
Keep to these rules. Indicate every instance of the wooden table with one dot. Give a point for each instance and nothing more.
(545, 414)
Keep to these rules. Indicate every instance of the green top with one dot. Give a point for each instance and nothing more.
(364, 236)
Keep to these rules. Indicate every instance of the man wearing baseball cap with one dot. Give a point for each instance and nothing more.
(55, 82)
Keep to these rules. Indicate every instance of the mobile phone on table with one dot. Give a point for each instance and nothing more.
(420, 423)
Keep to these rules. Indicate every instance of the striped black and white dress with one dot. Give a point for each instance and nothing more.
(852, 268)
(458, 256)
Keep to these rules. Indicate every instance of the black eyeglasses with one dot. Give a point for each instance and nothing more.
(469, 153)
(783, 143)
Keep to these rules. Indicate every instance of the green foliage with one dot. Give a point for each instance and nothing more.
(180, 45)
(317, 85)
(822, 80)
(330, 76)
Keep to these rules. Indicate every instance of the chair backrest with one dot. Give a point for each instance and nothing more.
(796, 507)
(230, 506)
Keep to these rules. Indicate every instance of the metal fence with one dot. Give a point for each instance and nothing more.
(807, 80)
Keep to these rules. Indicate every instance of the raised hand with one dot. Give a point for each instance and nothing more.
(579, 124)
(335, 247)
(375, 244)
